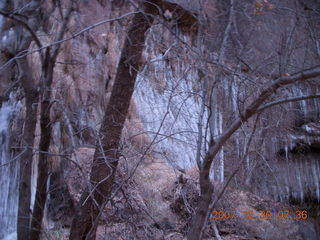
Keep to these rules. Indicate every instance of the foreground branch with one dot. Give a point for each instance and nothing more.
(286, 100)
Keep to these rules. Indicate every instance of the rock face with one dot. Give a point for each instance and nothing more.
(167, 100)
(170, 107)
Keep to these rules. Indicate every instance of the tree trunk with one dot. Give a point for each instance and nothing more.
(24, 211)
(199, 221)
(106, 159)
(45, 128)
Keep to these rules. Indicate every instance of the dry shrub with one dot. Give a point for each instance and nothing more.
(183, 196)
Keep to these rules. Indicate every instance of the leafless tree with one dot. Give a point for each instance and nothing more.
(106, 157)
(23, 18)
(48, 64)
(254, 105)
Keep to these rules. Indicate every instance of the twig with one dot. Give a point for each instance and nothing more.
(26, 52)
(286, 100)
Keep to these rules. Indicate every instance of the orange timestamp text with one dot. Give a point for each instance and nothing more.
(283, 214)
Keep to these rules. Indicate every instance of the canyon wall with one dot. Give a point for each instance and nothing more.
(169, 106)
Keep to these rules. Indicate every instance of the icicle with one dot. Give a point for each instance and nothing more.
(221, 155)
(308, 178)
(247, 180)
(315, 172)
(214, 129)
(299, 181)
(1, 17)
(303, 103)
(234, 96)
(280, 195)
(287, 176)
(215, 133)
(304, 106)
(237, 145)
(274, 190)
(34, 177)
(247, 160)
(9, 170)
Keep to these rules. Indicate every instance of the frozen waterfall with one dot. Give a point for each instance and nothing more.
(9, 170)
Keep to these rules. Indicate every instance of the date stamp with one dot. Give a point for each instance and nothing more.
(283, 214)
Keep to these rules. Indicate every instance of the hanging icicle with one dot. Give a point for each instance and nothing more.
(9, 172)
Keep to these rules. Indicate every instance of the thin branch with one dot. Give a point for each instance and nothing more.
(216, 231)
(253, 109)
(286, 100)
(85, 30)
(25, 25)
(26, 52)
(62, 31)
(226, 33)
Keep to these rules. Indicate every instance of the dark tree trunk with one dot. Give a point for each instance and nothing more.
(44, 144)
(24, 211)
(31, 97)
(25, 33)
(45, 127)
(199, 221)
(106, 159)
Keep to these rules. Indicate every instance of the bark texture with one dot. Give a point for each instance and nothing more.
(45, 127)
(106, 157)
(24, 211)
(24, 34)
(45, 139)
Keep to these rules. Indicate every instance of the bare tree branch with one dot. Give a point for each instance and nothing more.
(61, 33)
(286, 100)
(206, 187)
(59, 41)
(25, 25)
(216, 231)
(253, 109)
